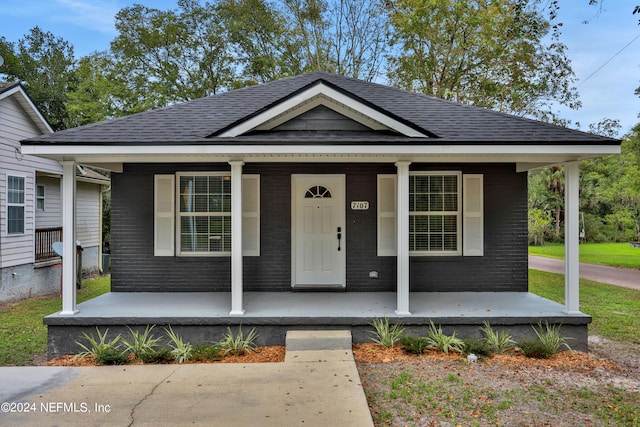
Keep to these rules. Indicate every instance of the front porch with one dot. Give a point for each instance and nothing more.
(201, 316)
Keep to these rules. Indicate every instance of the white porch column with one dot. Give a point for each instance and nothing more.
(403, 239)
(236, 238)
(571, 238)
(68, 238)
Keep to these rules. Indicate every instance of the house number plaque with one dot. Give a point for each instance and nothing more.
(359, 206)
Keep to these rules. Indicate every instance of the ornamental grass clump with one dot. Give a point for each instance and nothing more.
(103, 352)
(385, 334)
(180, 350)
(238, 344)
(499, 342)
(446, 343)
(141, 343)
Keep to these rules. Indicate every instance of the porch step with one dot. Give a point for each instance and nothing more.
(318, 346)
(318, 340)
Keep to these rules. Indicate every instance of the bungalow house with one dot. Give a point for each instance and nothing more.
(30, 208)
(319, 201)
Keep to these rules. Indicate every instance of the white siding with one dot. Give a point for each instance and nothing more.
(51, 216)
(16, 125)
(88, 214)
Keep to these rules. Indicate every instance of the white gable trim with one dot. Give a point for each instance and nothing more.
(29, 107)
(321, 94)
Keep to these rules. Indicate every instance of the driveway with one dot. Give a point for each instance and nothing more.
(626, 277)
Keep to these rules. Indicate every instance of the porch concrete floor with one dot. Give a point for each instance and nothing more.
(459, 305)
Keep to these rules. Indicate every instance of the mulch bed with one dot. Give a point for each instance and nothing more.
(575, 361)
(373, 353)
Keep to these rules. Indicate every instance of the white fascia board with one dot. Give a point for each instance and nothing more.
(317, 90)
(536, 151)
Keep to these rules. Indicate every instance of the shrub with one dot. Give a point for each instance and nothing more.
(384, 334)
(499, 342)
(104, 352)
(440, 341)
(140, 342)
(238, 344)
(535, 349)
(477, 346)
(161, 355)
(180, 350)
(415, 345)
(205, 352)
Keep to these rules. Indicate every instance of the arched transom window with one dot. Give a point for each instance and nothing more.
(317, 192)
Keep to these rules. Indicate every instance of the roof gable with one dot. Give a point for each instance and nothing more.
(15, 91)
(322, 93)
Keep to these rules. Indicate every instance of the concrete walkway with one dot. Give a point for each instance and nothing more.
(311, 388)
(626, 277)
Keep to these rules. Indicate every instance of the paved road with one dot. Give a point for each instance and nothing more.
(627, 277)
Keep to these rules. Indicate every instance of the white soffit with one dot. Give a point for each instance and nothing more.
(321, 94)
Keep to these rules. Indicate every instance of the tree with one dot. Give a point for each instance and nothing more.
(262, 40)
(488, 53)
(163, 57)
(359, 40)
(45, 65)
(539, 223)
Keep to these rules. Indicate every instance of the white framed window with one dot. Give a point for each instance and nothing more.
(192, 214)
(446, 214)
(40, 197)
(203, 209)
(435, 213)
(15, 204)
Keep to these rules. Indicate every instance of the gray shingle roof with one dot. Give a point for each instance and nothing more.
(200, 120)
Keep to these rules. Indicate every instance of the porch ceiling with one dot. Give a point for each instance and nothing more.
(278, 307)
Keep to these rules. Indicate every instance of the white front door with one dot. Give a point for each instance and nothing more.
(318, 231)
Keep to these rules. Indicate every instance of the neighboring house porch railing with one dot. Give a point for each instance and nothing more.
(45, 237)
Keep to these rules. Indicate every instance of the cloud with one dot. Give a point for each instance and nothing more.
(96, 15)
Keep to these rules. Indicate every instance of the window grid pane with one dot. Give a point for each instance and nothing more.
(205, 204)
(433, 210)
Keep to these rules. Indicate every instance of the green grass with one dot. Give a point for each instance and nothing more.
(614, 309)
(614, 254)
(22, 333)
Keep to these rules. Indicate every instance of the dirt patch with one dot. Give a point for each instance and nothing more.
(601, 387)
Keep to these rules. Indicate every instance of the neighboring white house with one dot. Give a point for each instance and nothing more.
(30, 208)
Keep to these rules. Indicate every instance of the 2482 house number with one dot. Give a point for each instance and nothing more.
(359, 206)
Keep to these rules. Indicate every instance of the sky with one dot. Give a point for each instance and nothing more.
(605, 52)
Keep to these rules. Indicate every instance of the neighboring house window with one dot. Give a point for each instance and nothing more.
(434, 214)
(204, 214)
(40, 197)
(15, 204)
(445, 214)
(198, 223)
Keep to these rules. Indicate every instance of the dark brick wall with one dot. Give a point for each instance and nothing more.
(134, 268)
(504, 266)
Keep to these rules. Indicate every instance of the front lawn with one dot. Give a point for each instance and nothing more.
(614, 254)
(23, 336)
(615, 310)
